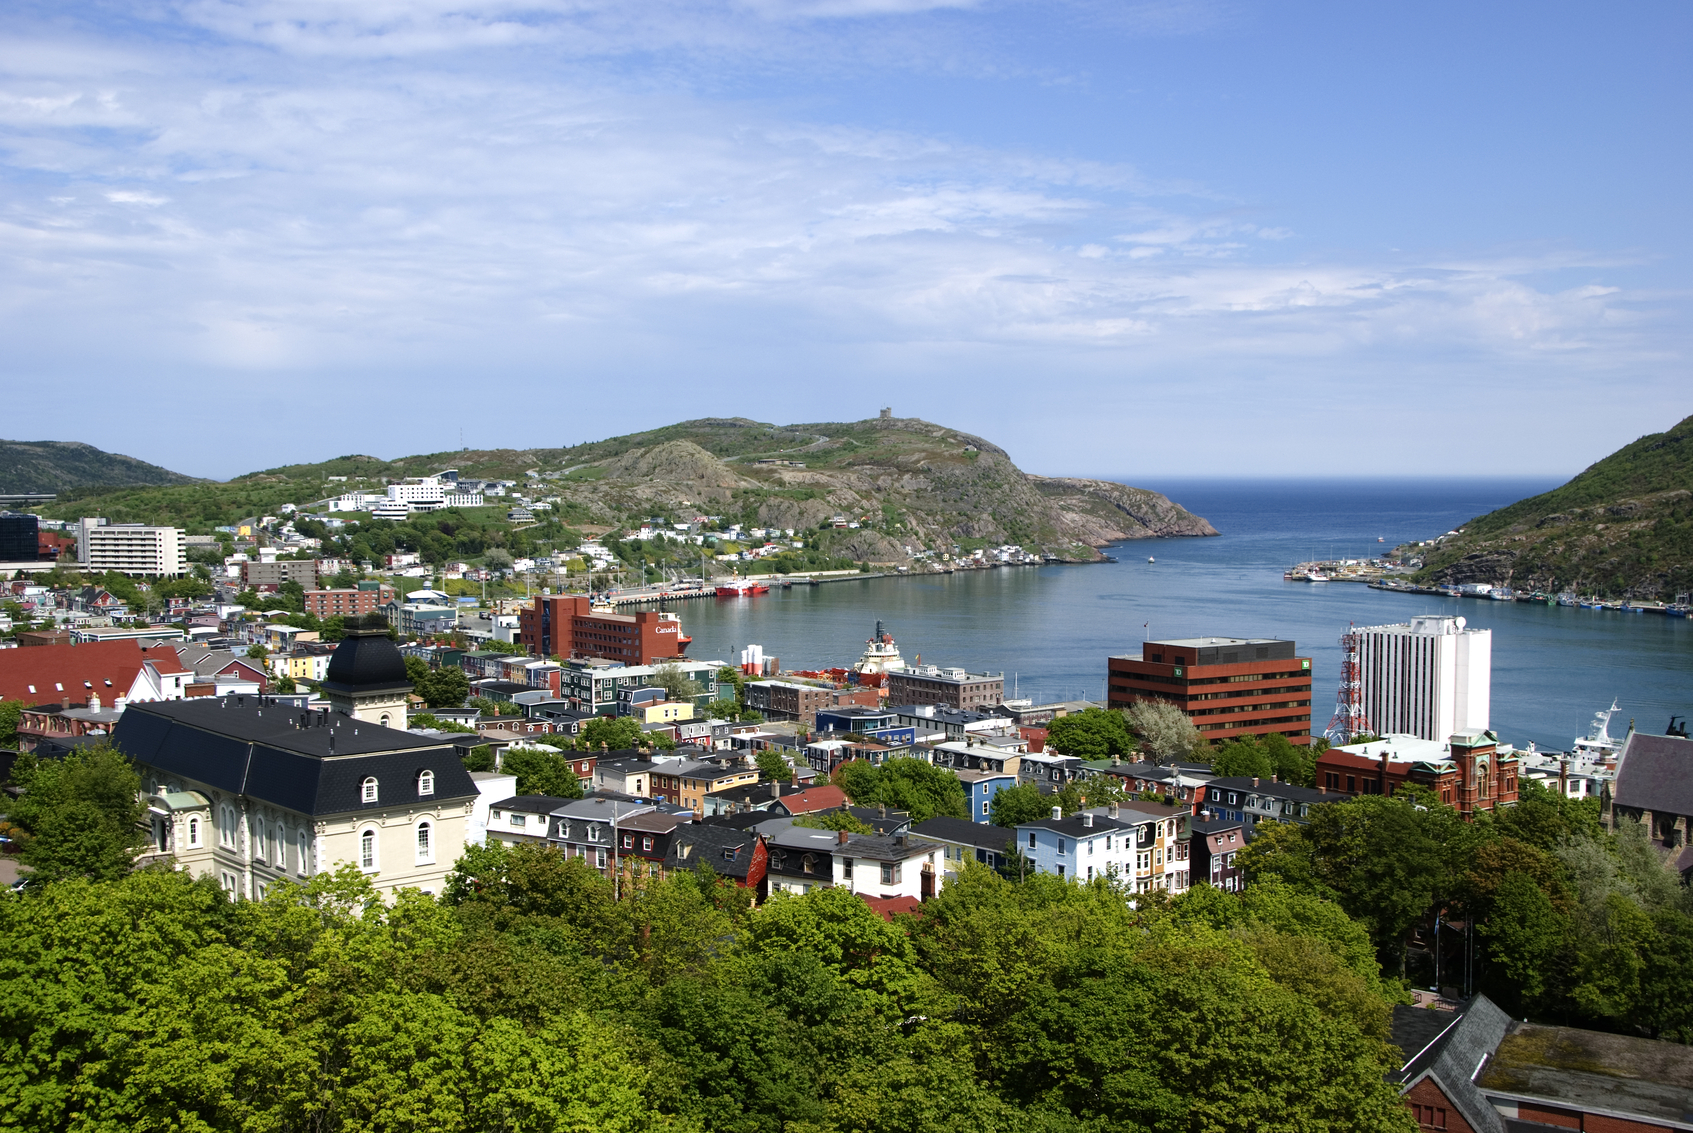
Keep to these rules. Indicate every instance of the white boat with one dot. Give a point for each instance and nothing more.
(1598, 745)
(1315, 576)
(1150, 559)
(881, 655)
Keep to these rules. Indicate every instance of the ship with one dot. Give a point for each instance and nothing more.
(682, 639)
(741, 588)
(1597, 745)
(881, 655)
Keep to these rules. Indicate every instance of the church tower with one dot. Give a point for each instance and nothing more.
(367, 676)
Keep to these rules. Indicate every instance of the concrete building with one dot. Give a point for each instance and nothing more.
(1228, 686)
(954, 688)
(1428, 677)
(131, 548)
(568, 627)
(278, 571)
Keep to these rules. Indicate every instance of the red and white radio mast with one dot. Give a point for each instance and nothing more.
(1349, 719)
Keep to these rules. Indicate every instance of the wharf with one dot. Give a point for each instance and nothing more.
(634, 596)
(1538, 597)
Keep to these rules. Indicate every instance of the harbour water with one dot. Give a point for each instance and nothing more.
(1051, 628)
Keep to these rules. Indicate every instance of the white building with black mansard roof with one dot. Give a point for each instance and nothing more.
(250, 791)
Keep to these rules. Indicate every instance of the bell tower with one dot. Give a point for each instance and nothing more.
(367, 676)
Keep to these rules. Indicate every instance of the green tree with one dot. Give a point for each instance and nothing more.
(612, 733)
(541, 771)
(80, 815)
(1092, 733)
(772, 767)
(1014, 806)
(11, 714)
(911, 785)
(1243, 756)
(479, 758)
(676, 684)
(1166, 732)
(838, 819)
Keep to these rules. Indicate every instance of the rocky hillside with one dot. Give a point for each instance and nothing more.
(909, 483)
(57, 466)
(1622, 528)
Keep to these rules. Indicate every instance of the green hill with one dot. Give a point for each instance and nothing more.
(57, 466)
(902, 481)
(1622, 528)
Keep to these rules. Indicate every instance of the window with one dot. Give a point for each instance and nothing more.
(1061, 869)
(628, 841)
(593, 833)
(520, 820)
(1429, 1117)
(367, 850)
(984, 806)
(302, 862)
(425, 783)
(193, 832)
(367, 790)
(599, 858)
(226, 826)
(1063, 847)
(279, 836)
(846, 868)
(425, 843)
(646, 842)
(890, 873)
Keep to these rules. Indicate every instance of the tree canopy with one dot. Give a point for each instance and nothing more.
(912, 785)
(1092, 733)
(79, 816)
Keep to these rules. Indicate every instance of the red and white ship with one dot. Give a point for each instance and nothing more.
(741, 588)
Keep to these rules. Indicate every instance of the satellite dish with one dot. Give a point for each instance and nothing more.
(1460, 623)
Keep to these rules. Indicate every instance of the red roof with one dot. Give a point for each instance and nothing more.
(888, 906)
(45, 674)
(813, 799)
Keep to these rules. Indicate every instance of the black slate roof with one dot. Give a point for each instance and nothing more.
(247, 747)
(1244, 784)
(1656, 773)
(1454, 1057)
(366, 661)
(724, 849)
(961, 831)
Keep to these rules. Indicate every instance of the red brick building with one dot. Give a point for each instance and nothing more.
(347, 603)
(1468, 772)
(1228, 686)
(568, 627)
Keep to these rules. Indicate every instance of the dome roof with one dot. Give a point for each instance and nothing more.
(367, 659)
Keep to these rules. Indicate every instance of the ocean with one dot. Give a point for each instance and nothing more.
(1051, 628)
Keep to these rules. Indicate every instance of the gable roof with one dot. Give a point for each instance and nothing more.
(1655, 773)
(44, 674)
(230, 744)
(725, 849)
(1455, 1056)
(1595, 1072)
(811, 799)
(963, 832)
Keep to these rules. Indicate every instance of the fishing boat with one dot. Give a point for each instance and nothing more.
(1568, 598)
(1678, 608)
(1503, 594)
(741, 588)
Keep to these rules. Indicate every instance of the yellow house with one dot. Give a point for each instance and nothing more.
(700, 780)
(666, 711)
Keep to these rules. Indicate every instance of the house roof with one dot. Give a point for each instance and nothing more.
(1073, 826)
(39, 674)
(888, 847)
(1453, 1057)
(1591, 1070)
(724, 849)
(1246, 784)
(1653, 773)
(530, 804)
(962, 831)
(888, 907)
(811, 799)
(244, 746)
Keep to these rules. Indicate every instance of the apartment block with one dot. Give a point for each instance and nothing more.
(131, 548)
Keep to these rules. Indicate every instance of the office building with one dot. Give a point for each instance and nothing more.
(954, 688)
(1430, 677)
(567, 626)
(278, 571)
(1228, 686)
(366, 598)
(20, 537)
(130, 548)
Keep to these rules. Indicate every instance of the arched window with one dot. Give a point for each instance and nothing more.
(425, 843)
(303, 863)
(226, 829)
(193, 833)
(281, 841)
(367, 850)
(367, 792)
(384, 720)
(425, 783)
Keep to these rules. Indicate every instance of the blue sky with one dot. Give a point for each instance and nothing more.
(1124, 239)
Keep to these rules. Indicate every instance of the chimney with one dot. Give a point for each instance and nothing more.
(775, 789)
(1115, 762)
(840, 837)
(94, 702)
(1111, 811)
(1087, 819)
(1057, 813)
(881, 810)
(1255, 780)
(65, 702)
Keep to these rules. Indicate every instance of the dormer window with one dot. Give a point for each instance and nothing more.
(367, 790)
(425, 783)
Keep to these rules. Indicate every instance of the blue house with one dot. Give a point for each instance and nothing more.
(980, 787)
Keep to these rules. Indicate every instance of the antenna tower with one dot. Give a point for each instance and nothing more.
(1349, 719)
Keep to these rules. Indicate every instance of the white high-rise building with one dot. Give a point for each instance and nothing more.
(130, 548)
(1428, 677)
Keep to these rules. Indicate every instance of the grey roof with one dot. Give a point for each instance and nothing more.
(1593, 1071)
(1655, 773)
(1454, 1057)
(260, 750)
(1202, 827)
(530, 804)
(963, 832)
(726, 850)
(1266, 787)
(888, 848)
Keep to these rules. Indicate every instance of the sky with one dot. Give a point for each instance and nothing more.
(1128, 239)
